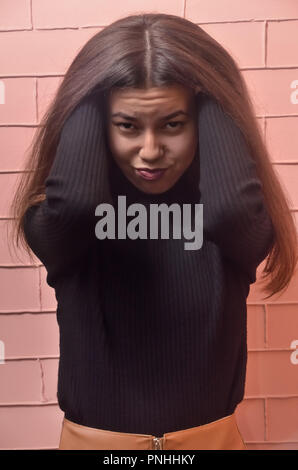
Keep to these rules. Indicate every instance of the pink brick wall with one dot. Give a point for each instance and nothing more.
(262, 36)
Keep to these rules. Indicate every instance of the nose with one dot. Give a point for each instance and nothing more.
(152, 148)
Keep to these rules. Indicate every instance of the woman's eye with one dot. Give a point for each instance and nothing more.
(181, 124)
(176, 124)
(119, 124)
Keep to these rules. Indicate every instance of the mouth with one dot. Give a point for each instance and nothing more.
(150, 174)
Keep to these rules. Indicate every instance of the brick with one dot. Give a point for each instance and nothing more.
(282, 419)
(30, 427)
(20, 382)
(233, 10)
(14, 147)
(281, 43)
(273, 446)
(19, 99)
(271, 373)
(288, 176)
(243, 41)
(30, 335)
(50, 379)
(282, 138)
(15, 14)
(10, 255)
(46, 90)
(255, 327)
(282, 325)
(273, 92)
(40, 52)
(8, 187)
(19, 289)
(74, 13)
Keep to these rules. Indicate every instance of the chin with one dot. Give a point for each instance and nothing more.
(155, 188)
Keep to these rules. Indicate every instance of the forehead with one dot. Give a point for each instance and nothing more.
(150, 101)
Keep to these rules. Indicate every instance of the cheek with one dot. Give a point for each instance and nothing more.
(186, 145)
(116, 144)
(119, 150)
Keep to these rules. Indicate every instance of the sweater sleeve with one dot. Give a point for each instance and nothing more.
(61, 227)
(234, 212)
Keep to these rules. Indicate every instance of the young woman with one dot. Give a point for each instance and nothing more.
(153, 351)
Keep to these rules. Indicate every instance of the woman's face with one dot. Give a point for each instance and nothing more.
(140, 135)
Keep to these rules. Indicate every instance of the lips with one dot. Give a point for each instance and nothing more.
(148, 174)
(151, 169)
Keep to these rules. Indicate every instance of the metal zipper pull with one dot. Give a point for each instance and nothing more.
(157, 443)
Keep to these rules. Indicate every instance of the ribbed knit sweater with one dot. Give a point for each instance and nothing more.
(152, 336)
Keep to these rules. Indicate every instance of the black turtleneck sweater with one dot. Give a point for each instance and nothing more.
(152, 336)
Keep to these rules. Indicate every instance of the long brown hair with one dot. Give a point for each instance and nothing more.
(154, 50)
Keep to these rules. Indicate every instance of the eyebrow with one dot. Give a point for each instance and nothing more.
(133, 118)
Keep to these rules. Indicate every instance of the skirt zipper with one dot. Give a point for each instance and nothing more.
(157, 442)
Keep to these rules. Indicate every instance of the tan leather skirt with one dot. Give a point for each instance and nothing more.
(222, 434)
